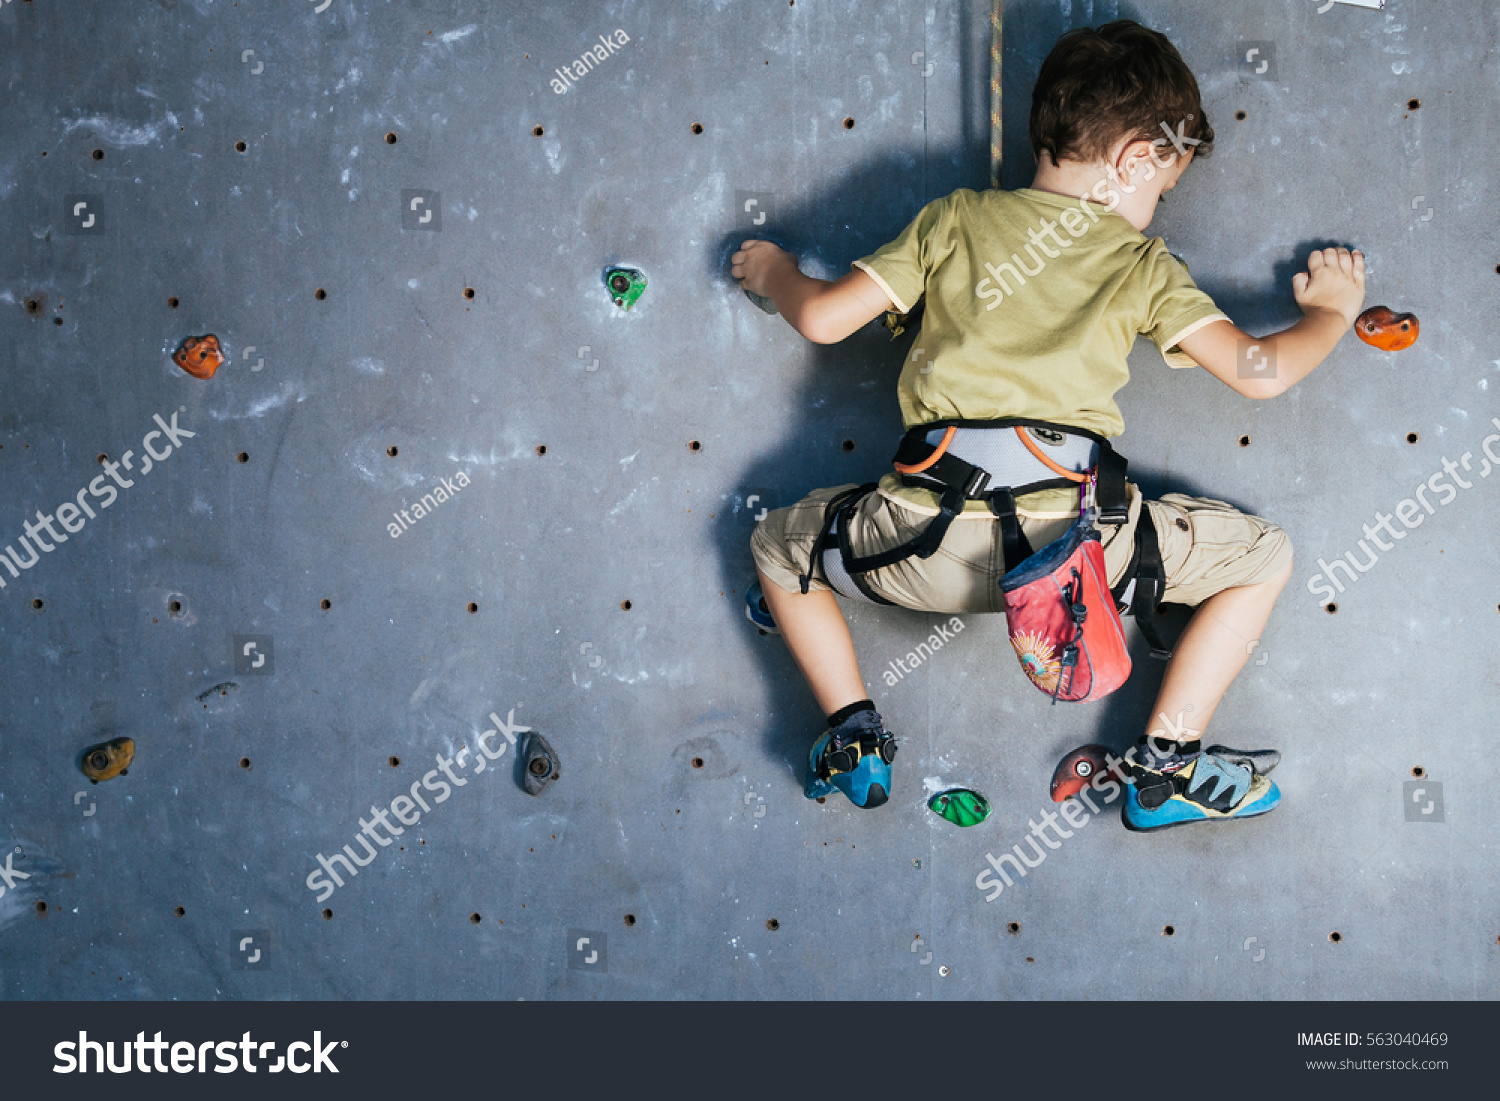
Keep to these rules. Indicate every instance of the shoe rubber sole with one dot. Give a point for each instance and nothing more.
(1260, 799)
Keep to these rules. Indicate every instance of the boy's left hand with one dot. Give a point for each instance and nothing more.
(1334, 280)
(754, 264)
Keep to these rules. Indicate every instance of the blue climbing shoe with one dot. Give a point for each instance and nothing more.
(756, 611)
(854, 758)
(1175, 788)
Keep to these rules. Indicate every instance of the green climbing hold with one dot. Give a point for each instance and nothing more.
(625, 286)
(960, 806)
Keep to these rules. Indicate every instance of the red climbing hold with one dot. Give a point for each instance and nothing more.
(1077, 770)
(1384, 328)
(199, 356)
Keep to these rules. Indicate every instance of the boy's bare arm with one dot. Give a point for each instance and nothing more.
(823, 312)
(1330, 293)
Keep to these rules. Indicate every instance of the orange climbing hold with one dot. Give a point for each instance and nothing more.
(199, 356)
(108, 759)
(1383, 328)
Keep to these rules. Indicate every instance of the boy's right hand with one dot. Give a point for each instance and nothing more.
(1334, 280)
(754, 264)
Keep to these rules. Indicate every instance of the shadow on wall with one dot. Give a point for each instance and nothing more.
(843, 426)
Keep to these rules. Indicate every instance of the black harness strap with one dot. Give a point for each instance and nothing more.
(923, 546)
(1150, 576)
(1113, 502)
(830, 514)
(1016, 547)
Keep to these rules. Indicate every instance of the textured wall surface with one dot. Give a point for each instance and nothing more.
(614, 463)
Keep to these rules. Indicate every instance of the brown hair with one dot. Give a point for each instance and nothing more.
(1119, 80)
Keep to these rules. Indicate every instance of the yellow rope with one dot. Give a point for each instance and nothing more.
(995, 20)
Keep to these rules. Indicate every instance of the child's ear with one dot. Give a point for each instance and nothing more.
(1133, 155)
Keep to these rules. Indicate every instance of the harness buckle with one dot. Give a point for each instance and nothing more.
(976, 483)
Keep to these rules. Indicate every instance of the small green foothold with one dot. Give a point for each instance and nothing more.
(625, 286)
(960, 806)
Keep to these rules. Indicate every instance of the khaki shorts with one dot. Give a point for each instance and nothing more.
(1207, 546)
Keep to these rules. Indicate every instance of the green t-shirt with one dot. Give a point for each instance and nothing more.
(1033, 303)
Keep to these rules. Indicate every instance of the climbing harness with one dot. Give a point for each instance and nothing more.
(959, 460)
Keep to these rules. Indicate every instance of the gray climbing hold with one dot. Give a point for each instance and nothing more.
(539, 761)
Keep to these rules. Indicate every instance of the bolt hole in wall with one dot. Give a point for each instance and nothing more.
(98, 154)
(475, 919)
(1411, 437)
(103, 458)
(1168, 931)
(537, 131)
(541, 449)
(243, 457)
(773, 925)
(180, 912)
(695, 445)
(174, 607)
(327, 915)
(1413, 104)
(629, 919)
(1332, 609)
(1419, 772)
(395, 762)
(37, 603)
(848, 124)
(240, 147)
(1013, 928)
(172, 303)
(320, 294)
(392, 451)
(1335, 936)
(697, 128)
(390, 138)
(697, 762)
(471, 608)
(625, 605)
(41, 906)
(325, 604)
(1244, 441)
(847, 445)
(33, 306)
(1240, 116)
(245, 763)
(469, 293)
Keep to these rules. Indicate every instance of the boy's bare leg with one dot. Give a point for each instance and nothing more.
(1209, 655)
(818, 637)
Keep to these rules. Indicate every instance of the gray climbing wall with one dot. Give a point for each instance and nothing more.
(397, 230)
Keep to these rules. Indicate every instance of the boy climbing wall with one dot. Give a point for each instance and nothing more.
(1033, 300)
